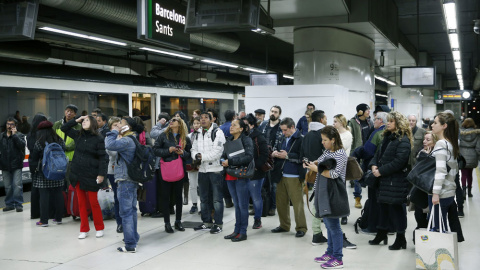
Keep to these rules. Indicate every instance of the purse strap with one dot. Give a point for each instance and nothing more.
(288, 153)
(305, 191)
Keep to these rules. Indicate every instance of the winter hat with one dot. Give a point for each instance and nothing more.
(361, 108)
(132, 123)
(72, 107)
(260, 111)
(44, 125)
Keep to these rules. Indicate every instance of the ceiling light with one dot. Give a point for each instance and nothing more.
(255, 70)
(167, 53)
(288, 76)
(456, 55)
(383, 79)
(454, 40)
(219, 63)
(459, 71)
(458, 64)
(380, 95)
(450, 15)
(68, 33)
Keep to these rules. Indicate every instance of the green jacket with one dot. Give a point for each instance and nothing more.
(69, 142)
(356, 130)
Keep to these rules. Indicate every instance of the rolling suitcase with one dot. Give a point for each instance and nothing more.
(148, 206)
(72, 207)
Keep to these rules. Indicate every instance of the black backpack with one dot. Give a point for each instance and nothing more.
(362, 221)
(142, 167)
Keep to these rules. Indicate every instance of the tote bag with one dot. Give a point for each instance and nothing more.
(172, 171)
(436, 250)
(422, 174)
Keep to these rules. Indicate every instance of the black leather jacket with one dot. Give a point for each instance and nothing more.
(12, 151)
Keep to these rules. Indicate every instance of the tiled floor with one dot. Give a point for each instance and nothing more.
(24, 246)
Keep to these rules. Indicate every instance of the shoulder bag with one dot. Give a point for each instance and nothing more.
(422, 174)
(354, 171)
(172, 171)
(234, 148)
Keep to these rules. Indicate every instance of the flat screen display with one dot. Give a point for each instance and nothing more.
(263, 79)
(417, 76)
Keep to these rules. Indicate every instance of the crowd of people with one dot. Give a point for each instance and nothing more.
(246, 160)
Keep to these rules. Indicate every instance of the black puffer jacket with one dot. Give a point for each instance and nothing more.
(12, 151)
(89, 159)
(391, 160)
(163, 143)
(260, 153)
(242, 160)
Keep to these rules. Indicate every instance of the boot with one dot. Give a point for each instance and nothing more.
(358, 204)
(400, 242)
(470, 192)
(381, 236)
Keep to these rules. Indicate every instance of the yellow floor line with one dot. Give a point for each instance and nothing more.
(477, 171)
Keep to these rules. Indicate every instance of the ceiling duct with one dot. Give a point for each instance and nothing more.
(27, 50)
(119, 12)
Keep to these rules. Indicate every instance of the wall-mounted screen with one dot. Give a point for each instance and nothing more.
(417, 76)
(263, 79)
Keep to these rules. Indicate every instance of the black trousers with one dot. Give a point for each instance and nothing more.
(396, 213)
(458, 192)
(374, 209)
(35, 204)
(172, 189)
(48, 196)
(420, 217)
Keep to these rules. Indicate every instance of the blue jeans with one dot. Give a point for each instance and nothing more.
(239, 191)
(211, 185)
(13, 188)
(357, 189)
(115, 198)
(444, 205)
(255, 191)
(335, 237)
(127, 198)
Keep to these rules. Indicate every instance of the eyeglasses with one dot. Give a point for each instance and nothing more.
(9, 124)
(174, 120)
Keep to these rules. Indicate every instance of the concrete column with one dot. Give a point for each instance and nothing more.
(324, 55)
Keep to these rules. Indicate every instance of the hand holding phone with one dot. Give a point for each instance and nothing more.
(124, 129)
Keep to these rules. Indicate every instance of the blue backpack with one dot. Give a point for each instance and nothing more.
(54, 163)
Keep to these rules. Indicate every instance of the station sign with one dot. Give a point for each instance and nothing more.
(453, 95)
(162, 22)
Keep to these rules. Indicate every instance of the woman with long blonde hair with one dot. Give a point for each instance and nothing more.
(171, 146)
(340, 123)
(390, 165)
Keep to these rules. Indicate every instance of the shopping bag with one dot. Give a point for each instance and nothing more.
(107, 203)
(436, 250)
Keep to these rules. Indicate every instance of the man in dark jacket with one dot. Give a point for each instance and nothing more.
(292, 175)
(302, 124)
(272, 132)
(102, 122)
(312, 149)
(12, 149)
(360, 126)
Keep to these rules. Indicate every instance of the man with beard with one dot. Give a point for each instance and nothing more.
(272, 132)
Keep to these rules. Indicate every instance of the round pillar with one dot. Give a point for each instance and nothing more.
(325, 55)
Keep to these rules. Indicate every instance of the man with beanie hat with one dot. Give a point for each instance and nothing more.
(70, 113)
(361, 127)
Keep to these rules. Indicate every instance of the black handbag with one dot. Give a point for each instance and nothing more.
(418, 197)
(242, 171)
(422, 174)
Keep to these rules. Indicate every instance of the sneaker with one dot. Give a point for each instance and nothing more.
(344, 221)
(40, 224)
(347, 244)
(257, 224)
(333, 264)
(56, 222)
(99, 234)
(8, 208)
(82, 235)
(215, 229)
(127, 250)
(202, 227)
(318, 239)
(19, 209)
(323, 259)
(193, 209)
